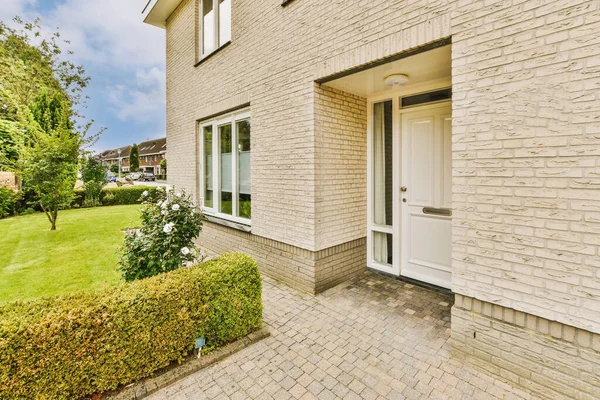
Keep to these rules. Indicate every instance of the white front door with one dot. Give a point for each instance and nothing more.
(426, 194)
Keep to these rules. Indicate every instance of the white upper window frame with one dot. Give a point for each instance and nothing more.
(216, 28)
(221, 120)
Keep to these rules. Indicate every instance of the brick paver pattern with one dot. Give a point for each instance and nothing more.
(371, 338)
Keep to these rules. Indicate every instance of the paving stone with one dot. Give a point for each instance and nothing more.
(351, 342)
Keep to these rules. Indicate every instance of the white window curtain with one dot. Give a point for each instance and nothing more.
(380, 248)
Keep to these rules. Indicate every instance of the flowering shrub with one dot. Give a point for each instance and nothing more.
(170, 223)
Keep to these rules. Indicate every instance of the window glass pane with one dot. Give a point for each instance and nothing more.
(225, 168)
(429, 97)
(243, 145)
(382, 164)
(208, 26)
(224, 21)
(382, 247)
(208, 173)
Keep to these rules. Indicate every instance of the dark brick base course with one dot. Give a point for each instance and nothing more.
(298, 268)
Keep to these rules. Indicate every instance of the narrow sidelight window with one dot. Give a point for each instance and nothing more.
(382, 182)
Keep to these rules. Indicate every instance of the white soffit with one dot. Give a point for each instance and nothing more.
(156, 12)
(421, 68)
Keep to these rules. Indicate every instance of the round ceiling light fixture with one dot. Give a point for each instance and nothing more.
(395, 80)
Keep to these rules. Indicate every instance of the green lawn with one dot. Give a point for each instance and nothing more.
(82, 253)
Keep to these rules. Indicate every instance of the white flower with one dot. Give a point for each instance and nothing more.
(168, 228)
(164, 212)
(175, 207)
(159, 203)
(165, 204)
(178, 194)
(145, 193)
(185, 251)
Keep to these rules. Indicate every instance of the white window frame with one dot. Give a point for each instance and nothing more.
(216, 29)
(231, 118)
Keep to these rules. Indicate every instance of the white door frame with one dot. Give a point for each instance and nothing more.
(396, 228)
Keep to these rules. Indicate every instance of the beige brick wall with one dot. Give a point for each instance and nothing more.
(547, 358)
(526, 165)
(340, 167)
(526, 127)
(275, 55)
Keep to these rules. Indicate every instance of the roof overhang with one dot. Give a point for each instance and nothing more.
(156, 12)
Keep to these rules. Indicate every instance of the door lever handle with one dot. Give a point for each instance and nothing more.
(403, 189)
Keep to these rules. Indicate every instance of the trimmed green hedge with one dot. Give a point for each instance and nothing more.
(116, 196)
(89, 342)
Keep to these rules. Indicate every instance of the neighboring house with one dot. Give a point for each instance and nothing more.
(152, 152)
(455, 143)
(113, 157)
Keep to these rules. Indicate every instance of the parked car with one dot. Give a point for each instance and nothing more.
(110, 177)
(136, 176)
(147, 176)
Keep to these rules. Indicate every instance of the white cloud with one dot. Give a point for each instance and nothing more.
(142, 102)
(110, 39)
(109, 32)
(12, 8)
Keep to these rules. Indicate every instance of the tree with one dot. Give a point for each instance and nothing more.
(114, 168)
(93, 175)
(32, 61)
(163, 166)
(11, 144)
(35, 60)
(50, 161)
(50, 168)
(134, 158)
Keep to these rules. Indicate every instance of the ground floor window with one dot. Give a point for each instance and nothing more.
(225, 177)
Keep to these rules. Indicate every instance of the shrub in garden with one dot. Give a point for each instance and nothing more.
(170, 223)
(108, 199)
(127, 195)
(117, 196)
(8, 201)
(93, 175)
(73, 346)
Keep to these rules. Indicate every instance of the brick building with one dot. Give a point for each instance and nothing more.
(454, 143)
(112, 157)
(151, 153)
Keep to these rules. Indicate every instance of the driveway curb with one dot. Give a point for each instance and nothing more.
(161, 379)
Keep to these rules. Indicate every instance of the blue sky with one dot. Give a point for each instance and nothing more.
(124, 57)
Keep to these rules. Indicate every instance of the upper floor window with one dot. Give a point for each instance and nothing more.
(215, 25)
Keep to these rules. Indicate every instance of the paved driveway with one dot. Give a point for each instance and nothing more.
(373, 338)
